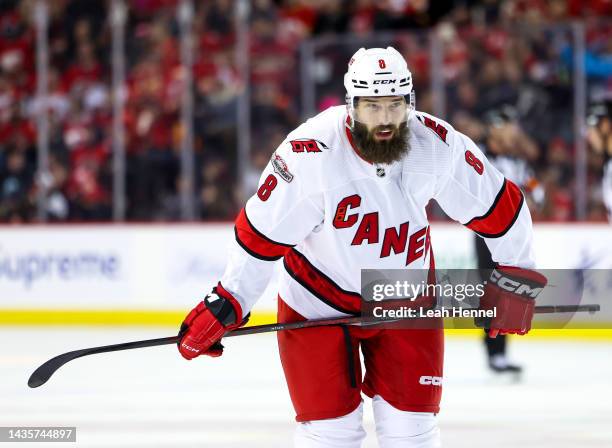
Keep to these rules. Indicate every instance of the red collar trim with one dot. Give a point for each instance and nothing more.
(350, 139)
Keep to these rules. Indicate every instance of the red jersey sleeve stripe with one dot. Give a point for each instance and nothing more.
(256, 243)
(502, 214)
(320, 285)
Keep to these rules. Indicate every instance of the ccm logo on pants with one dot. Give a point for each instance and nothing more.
(430, 380)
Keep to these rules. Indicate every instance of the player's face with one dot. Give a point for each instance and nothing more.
(381, 115)
(380, 130)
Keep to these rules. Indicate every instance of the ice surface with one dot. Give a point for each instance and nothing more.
(153, 398)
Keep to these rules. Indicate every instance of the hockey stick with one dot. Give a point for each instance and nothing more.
(42, 374)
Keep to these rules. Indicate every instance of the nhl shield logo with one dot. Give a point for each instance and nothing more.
(380, 172)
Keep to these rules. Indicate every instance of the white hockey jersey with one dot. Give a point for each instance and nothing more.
(329, 213)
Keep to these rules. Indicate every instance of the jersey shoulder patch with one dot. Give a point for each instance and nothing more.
(307, 145)
(435, 126)
(280, 167)
(431, 147)
(318, 134)
(310, 152)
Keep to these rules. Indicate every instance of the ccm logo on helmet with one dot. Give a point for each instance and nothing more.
(384, 81)
(519, 288)
(430, 380)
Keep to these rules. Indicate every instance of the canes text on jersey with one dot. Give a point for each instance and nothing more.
(393, 239)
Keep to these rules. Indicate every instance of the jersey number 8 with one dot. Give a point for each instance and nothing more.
(266, 188)
(474, 162)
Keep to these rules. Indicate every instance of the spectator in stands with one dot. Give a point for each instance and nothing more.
(488, 60)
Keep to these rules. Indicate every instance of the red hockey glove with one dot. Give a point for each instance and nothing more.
(511, 292)
(206, 324)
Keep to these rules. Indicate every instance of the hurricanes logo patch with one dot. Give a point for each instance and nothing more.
(308, 145)
(281, 168)
(438, 129)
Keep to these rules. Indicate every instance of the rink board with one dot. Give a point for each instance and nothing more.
(152, 274)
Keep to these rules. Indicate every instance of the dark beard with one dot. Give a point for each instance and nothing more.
(383, 151)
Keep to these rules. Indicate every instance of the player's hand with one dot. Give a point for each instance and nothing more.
(205, 325)
(511, 292)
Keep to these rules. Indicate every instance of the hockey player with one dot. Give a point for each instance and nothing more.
(509, 150)
(599, 139)
(347, 190)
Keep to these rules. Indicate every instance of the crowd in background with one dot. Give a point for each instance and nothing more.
(495, 54)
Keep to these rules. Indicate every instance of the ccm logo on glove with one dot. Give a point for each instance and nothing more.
(531, 290)
(511, 292)
(205, 325)
(191, 349)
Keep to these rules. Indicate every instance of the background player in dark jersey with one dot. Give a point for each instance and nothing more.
(599, 138)
(511, 151)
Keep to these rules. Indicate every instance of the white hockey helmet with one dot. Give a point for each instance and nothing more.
(378, 72)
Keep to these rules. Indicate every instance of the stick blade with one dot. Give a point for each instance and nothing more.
(46, 370)
(36, 379)
(42, 374)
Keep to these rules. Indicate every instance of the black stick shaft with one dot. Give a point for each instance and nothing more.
(373, 320)
(547, 309)
(46, 370)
